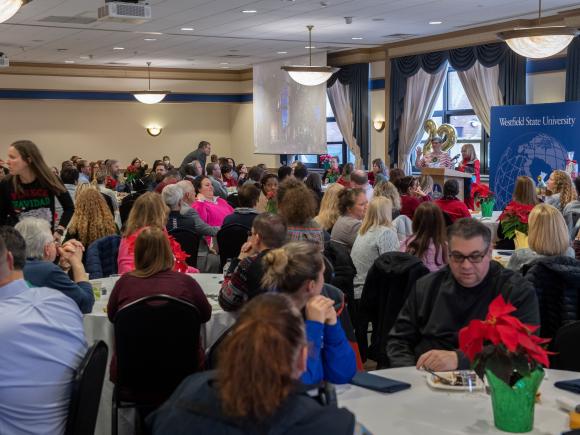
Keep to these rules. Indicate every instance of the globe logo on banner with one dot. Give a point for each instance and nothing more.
(528, 154)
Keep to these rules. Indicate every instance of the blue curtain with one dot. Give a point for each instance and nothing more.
(357, 78)
(573, 71)
(512, 77)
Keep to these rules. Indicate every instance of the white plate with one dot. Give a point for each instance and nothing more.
(435, 384)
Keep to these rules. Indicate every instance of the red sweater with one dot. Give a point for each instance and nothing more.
(130, 288)
(409, 204)
(455, 208)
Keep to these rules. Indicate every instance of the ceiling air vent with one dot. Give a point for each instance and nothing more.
(67, 20)
(399, 36)
(235, 56)
(117, 63)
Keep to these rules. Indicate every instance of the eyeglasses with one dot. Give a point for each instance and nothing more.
(477, 257)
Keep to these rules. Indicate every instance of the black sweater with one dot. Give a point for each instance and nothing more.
(35, 200)
(438, 307)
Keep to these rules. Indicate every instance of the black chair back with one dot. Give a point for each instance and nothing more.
(233, 200)
(86, 391)
(230, 240)
(212, 355)
(565, 345)
(157, 346)
(189, 242)
(127, 204)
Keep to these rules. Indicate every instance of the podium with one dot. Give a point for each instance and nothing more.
(441, 175)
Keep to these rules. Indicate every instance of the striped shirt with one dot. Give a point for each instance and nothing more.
(435, 160)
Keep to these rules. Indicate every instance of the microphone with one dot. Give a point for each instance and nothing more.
(456, 157)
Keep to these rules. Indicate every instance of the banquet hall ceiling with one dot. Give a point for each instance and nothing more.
(225, 37)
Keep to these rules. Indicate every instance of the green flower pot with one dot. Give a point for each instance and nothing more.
(513, 407)
(487, 208)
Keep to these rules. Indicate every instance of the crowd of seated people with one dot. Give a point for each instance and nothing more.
(279, 282)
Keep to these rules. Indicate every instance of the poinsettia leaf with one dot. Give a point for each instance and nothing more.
(521, 364)
(500, 365)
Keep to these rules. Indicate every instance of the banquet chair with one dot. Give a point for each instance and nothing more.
(127, 204)
(233, 200)
(404, 227)
(230, 239)
(156, 347)
(212, 355)
(387, 286)
(565, 346)
(86, 391)
(189, 242)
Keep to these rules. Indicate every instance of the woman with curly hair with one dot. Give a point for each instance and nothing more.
(562, 192)
(329, 213)
(297, 205)
(92, 218)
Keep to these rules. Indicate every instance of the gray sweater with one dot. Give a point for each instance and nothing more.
(345, 231)
(367, 248)
(526, 255)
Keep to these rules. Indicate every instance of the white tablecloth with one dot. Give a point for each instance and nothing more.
(422, 410)
(98, 327)
(492, 223)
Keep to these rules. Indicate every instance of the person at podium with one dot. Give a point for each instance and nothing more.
(470, 165)
(436, 158)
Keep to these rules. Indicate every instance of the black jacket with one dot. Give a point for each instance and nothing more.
(194, 408)
(386, 288)
(557, 284)
(343, 267)
(438, 307)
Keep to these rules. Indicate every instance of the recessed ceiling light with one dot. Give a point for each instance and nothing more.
(69, 61)
(356, 38)
(435, 22)
(84, 57)
(224, 63)
(150, 39)
(282, 52)
(225, 67)
(249, 11)
(309, 47)
(187, 29)
(118, 48)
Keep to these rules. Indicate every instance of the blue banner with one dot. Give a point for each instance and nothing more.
(529, 140)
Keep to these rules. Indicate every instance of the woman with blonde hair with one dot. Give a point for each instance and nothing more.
(148, 211)
(547, 237)
(297, 269)
(375, 237)
(561, 189)
(92, 218)
(153, 275)
(255, 388)
(388, 190)
(329, 213)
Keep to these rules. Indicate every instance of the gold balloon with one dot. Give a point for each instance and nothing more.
(446, 131)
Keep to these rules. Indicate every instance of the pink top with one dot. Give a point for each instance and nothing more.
(213, 213)
(429, 256)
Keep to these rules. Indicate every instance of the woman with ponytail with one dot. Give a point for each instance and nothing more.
(255, 388)
(297, 269)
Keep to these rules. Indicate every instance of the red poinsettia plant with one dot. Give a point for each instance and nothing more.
(503, 344)
(325, 158)
(131, 174)
(110, 182)
(481, 193)
(515, 218)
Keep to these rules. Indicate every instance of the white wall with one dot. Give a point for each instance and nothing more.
(546, 87)
(377, 111)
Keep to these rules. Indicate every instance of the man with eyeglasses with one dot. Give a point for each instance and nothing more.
(427, 328)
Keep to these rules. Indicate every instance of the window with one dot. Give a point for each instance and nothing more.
(453, 107)
(335, 145)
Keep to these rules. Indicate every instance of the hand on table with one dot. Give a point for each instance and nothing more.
(72, 251)
(438, 360)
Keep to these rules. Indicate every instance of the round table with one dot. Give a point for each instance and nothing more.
(491, 222)
(98, 327)
(421, 410)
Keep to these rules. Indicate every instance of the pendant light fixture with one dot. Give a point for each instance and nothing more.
(9, 7)
(309, 75)
(149, 96)
(538, 42)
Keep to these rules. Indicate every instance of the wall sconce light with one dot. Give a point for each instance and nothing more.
(379, 124)
(154, 131)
